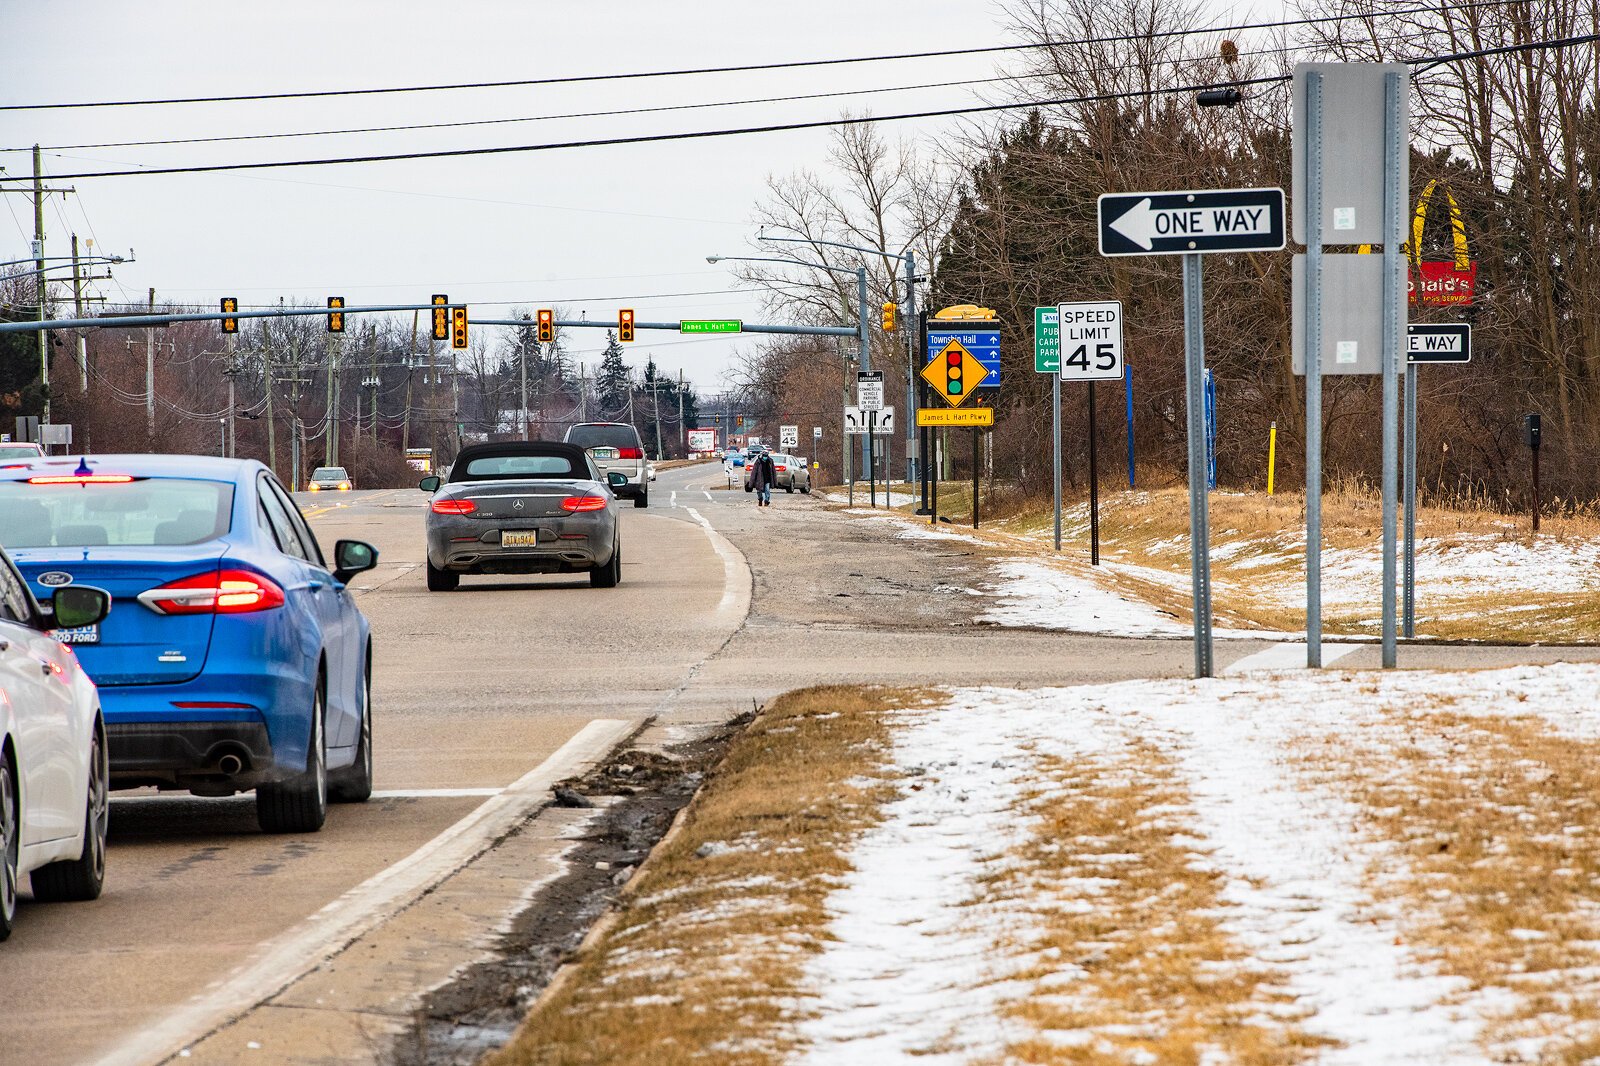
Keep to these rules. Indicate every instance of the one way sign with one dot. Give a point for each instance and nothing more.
(1441, 342)
(1177, 223)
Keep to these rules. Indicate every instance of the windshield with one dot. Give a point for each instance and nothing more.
(19, 451)
(329, 473)
(144, 512)
(514, 466)
(603, 437)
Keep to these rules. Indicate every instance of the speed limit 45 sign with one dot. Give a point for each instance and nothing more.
(1091, 340)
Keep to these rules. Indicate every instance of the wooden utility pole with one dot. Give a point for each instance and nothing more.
(42, 286)
(77, 305)
(149, 373)
(411, 362)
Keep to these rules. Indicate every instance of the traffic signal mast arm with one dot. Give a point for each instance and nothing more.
(134, 321)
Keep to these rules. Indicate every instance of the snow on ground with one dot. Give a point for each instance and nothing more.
(922, 966)
(911, 975)
(1035, 594)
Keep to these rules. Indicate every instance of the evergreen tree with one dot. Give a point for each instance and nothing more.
(611, 381)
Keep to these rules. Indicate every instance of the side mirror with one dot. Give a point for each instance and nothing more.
(616, 479)
(77, 606)
(430, 483)
(351, 557)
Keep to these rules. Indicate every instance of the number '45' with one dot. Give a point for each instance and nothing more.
(1105, 356)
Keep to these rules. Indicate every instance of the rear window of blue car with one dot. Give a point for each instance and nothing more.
(144, 512)
(510, 466)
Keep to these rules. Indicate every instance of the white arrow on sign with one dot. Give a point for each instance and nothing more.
(1142, 224)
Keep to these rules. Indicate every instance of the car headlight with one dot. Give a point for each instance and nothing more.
(344, 484)
(315, 487)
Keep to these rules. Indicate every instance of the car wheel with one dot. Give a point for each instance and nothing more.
(643, 499)
(789, 488)
(806, 488)
(75, 880)
(442, 580)
(353, 784)
(300, 804)
(10, 848)
(609, 575)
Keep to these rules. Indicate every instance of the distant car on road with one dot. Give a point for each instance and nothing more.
(330, 478)
(20, 450)
(791, 472)
(616, 447)
(236, 659)
(524, 507)
(53, 774)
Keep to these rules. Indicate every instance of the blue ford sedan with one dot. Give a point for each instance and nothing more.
(234, 658)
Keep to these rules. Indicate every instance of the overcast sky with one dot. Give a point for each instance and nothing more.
(590, 229)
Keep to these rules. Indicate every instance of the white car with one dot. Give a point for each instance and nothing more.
(54, 771)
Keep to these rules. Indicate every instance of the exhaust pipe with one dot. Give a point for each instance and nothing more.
(230, 764)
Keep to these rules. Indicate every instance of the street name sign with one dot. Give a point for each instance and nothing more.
(1177, 223)
(869, 390)
(710, 325)
(980, 339)
(1091, 340)
(963, 418)
(788, 437)
(1439, 342)
(1046, 341)
(955, 373)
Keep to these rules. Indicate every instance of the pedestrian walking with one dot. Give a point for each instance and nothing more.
(762, 478)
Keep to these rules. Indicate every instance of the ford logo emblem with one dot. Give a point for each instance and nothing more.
(54, 579)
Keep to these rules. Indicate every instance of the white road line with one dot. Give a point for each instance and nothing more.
(674, 500)
(1288, 657)
(736, 577)
(278, 963)
(434, 793)
(708, 494)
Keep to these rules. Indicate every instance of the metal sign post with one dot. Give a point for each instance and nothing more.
(1395, 137)
(1446, 342)
(1313, 324)
(1047, 360)
(1094, 487)
(1194, 348)
(1192, 223)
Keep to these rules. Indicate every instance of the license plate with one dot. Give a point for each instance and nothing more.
(80, 635)
(519, 539)
(603, 453)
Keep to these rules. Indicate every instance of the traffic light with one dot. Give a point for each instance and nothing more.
(547, 326)
(441, 317)
(625, 324)
(458, 327)
(229, 305)
(335, 318)
(888, 316)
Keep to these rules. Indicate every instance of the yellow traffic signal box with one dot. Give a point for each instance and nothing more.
(458, 327)
(547, 326)
(230, 304)
(625, 324)
(335, 318)
(441, 317)
(889, 310)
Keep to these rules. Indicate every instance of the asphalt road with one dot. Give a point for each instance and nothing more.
(253, 948)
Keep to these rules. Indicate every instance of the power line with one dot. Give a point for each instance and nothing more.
(619, 112)
(741, 68)
(1428, 63)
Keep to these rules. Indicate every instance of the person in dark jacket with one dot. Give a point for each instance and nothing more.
(761, 480)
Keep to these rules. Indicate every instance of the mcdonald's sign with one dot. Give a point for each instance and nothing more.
(1444, 283)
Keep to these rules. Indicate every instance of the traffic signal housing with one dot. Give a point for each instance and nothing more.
(625, 324)
(335, 318)
(441, 317)
(547, 326)
(229, 305)
(458, 327)
(889, 310)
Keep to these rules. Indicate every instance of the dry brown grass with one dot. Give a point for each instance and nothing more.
(1498, 823)
(1129, 944)
(1258, 561)
(705, 960)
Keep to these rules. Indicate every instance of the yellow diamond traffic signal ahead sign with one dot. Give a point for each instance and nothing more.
(955, 373)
